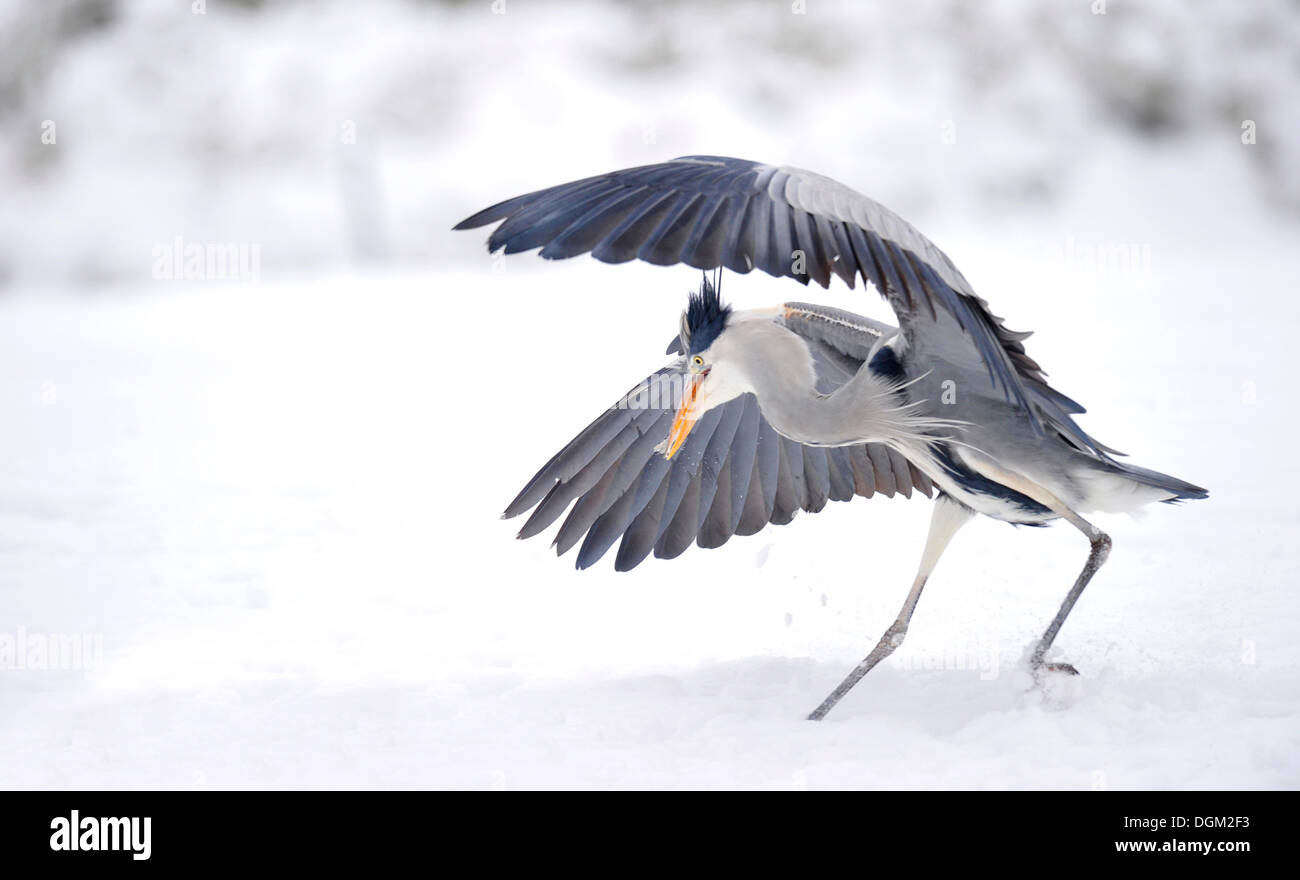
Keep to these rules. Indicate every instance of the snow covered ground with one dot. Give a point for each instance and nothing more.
(277, 506)
(269, 512)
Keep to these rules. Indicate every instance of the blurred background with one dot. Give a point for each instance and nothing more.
(260, 409)
(338, 133)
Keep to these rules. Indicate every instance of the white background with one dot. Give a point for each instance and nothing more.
(276, 504)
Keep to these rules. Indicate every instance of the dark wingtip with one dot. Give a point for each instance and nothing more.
(491, 214)
(474, 221)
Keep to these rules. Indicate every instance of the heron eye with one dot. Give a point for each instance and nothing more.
(698, 361)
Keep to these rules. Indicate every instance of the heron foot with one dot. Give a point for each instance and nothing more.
(1041, 670)
(1058, 684)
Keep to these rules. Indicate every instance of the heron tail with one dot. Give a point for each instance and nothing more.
(1180, 489)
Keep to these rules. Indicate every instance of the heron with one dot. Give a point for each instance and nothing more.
(765, 412)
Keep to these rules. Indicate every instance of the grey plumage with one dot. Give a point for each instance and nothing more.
(770, 212)
(728, 477)
(766, 413)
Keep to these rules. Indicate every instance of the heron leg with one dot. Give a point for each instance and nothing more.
(1096, 558)
(1099, 540)
(947, 518)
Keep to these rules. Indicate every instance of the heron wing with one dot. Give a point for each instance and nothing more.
(733, 475)
(711, 211)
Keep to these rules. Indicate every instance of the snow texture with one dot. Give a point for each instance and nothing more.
(272, 509)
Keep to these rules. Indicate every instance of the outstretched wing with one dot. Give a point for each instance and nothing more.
(711, 211)
(732, 476)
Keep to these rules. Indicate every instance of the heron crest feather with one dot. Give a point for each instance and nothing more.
(704, 319)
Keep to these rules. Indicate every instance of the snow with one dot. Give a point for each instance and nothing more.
(277, 505)
(273, 507)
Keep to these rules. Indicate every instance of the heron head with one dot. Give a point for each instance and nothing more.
(713, 375)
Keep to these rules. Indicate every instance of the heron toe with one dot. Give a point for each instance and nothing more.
(1042, 670)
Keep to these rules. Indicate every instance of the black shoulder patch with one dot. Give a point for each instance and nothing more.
(704, 319)
(885, 363)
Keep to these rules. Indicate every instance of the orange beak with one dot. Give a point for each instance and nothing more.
(685, 419)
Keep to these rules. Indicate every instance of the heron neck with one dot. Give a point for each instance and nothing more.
(856, 412)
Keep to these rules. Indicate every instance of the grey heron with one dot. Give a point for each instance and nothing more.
(765, 412)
